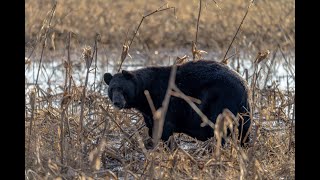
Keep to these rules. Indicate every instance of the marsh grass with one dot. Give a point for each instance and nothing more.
(73, 131)
(267, 23)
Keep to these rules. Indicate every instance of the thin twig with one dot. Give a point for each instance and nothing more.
(38, 40)
(195, 52)
(145, 16)
(32, 103)
(195, 100)
(217, 5)
(204, 118)
(187, 154)
(200, 5)
(83, 99)
(69, 61)
(95, 61)
(62, 135)
(158, 122)
(269, 68)
(291, 127)
(153, 109)
(289, 67)
(127, 47)
(234, 37)
(45, 39)
(87, 56)
(127, 136)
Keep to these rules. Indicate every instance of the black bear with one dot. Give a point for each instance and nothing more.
(215, 84)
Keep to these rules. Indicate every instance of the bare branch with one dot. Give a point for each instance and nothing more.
(126, 47)
(158, 122)
(234, 37)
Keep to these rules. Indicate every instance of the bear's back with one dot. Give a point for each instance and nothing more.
(206, 72)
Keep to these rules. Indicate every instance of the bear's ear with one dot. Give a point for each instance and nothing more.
(127, 74)
(107, 78)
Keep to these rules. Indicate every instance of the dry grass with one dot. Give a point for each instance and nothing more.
(107, 148)
(72, 130)
(267, 23)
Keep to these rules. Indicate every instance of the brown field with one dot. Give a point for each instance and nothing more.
(73, 132)
(268, 23)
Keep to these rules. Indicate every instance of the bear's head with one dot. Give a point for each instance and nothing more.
(122, 88)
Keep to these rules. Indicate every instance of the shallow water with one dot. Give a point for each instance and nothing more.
(52, 73)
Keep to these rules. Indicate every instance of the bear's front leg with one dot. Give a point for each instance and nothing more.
(168, 130)
(168, 127)
(149, 123)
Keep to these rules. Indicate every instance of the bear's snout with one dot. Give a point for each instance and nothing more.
(118, 100)
(118, 105)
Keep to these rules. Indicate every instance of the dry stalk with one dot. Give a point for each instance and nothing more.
(105, 111)
(181, 60)
(255, 77)
(246, 74)
(95, 155)
(141, 145)
(234, 37)
(147, 94)
(66, 66)
(45, 39)
(289, 67)
(62, 136)
(110, 173)
(95, 59)
(159, 120)
(66, 99)
(238, 59)
(218, 134)
(37, 41)
(196, 54)
(132, 174)
(67, 88)
(192, 99)
(87, 55)
(144, 169)
(126, 47)
(135, 132)
(253, 149)
(34, 174)
(32, 103)
(270, 67)
(204, 118)
(200, 5)
(291, 128)
(217, 5)
(159, 115)
(189, 156)
(152, 168)
(69, 61)
(126, 135)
